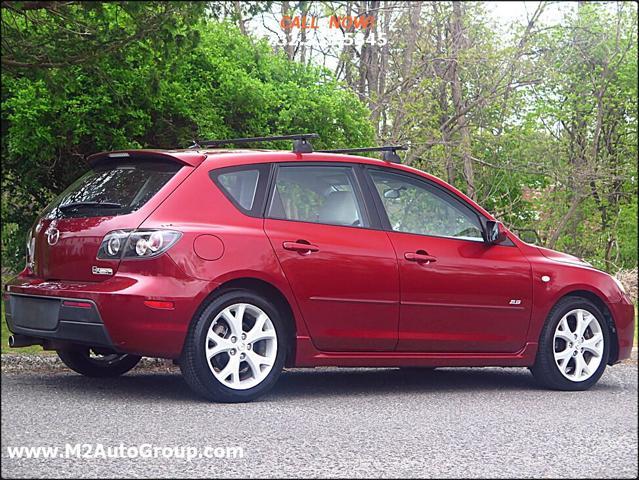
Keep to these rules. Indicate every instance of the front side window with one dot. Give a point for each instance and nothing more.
(415, 207)
(316, 194)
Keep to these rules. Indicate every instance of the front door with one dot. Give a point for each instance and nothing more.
(343, 274)
(457, 293)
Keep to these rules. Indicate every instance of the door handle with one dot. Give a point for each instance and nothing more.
(301, 246)
(420, 256)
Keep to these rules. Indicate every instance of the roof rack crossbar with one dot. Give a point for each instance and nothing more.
(301, 143)
(390, 151)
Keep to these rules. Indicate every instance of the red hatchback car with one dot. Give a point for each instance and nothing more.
(236, 263)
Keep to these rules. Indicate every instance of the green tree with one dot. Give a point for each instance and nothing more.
(537, 122)
(130, 88)
(589, 105)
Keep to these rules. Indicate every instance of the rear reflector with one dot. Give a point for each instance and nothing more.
(159, 304)
(69, 303)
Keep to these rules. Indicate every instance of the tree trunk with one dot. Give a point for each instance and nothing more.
(304, 8)
(458, 45)
(406, 69)
(381, 107)
(289, 48)
(576, 202)
(238, 16)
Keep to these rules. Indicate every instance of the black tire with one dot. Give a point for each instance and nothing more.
(193, 362)
(545, 370)
(79, 360)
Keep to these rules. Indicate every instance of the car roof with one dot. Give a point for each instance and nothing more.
(227, 157)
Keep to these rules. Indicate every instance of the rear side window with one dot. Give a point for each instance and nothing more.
(241, 186)
(113, 189)
(244, 186)
(318, 194)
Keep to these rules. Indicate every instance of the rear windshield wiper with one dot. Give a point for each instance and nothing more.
(74, 205)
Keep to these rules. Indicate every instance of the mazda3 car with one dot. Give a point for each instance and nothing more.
(238, 262)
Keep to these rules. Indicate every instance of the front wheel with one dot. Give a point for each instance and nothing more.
(573, 347)
(95, 363)
(235, 350)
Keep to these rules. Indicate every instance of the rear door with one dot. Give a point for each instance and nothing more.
(342, 272)
(457, 293)
(64, 242)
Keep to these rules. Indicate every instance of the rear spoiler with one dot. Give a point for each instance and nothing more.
(191, 158)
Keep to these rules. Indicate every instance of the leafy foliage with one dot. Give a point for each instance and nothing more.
(539, 125)
(128, 87)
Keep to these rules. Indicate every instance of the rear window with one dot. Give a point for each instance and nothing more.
(113, 189)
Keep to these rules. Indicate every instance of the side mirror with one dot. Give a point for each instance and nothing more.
(494, 233)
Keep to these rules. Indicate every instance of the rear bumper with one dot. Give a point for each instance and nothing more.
(119, 318)
(56, 319)
(624, 316)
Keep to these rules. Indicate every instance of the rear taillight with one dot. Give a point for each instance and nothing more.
(113, 244)
(128, 244)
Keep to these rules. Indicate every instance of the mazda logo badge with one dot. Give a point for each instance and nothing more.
(53, 235)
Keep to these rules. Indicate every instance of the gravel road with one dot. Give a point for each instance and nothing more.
(329, 422)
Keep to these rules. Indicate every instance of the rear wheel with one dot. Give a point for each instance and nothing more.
(93, 362)
(573, 347)
(235, 350)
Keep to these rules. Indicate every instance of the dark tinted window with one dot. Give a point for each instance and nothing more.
(114, 189)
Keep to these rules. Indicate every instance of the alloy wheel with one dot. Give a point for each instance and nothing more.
(241, 346)
(578, 345)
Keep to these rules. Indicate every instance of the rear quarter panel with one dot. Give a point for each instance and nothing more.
(231, 245)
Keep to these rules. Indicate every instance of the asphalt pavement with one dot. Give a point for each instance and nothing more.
(483, 422)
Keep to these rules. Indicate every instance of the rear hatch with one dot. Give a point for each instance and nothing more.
(117, 194)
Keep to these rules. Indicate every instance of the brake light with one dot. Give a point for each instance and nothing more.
(128, 244)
